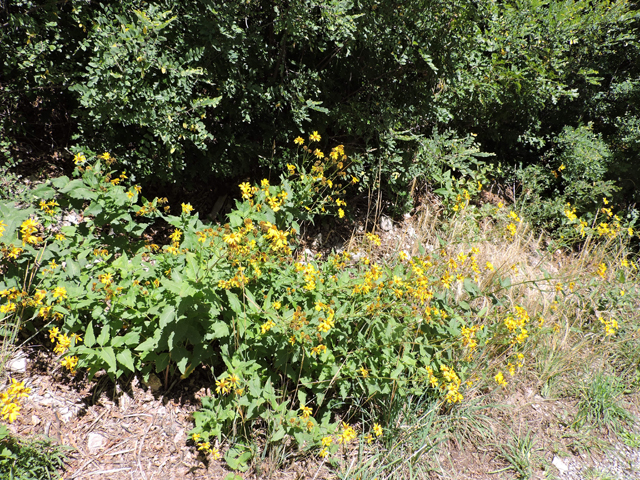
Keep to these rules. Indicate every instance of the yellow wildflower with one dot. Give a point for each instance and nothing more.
(59, 293)
(306, 411)
(70, 363)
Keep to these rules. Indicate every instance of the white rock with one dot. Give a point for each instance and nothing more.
(18, 364)
(386, 224)
(560, 465)
(95, 442)
(317, 242)
(65, 414)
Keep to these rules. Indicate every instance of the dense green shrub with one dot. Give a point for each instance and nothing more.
(181, 92)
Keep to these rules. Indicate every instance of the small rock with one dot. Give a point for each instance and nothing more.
(153, 383)
(179, 437)
(71, 218)
(65, 414)
(95, 442)
(560, 465)
(386, 224)
(35, 420)
(317, 242)
(18, 364)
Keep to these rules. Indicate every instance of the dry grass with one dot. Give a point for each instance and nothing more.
(515, 431)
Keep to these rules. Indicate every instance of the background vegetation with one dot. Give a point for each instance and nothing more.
(515, 124)
(212, 90)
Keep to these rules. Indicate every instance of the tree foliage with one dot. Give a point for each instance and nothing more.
(212, 88)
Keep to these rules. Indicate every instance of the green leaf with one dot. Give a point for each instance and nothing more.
(167, 316)
(93, 209)
(60, 182)
(237, 459)
(105, 334)
(279, 435)
(148, 345)
(89, 336)
(217, 329)
(108, 355)
(78, 189)
(234, 302)
(124, 357)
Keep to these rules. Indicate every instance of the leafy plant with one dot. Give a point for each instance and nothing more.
(29, 459)
(599, 404)
(521, 454)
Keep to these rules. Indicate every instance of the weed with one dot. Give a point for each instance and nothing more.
(599, 404)
(521, 453)
(29, 459)
(630, 439)
(592, 473)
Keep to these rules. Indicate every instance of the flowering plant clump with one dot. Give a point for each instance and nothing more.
(10, 400)
(605, 224)
(292, 341)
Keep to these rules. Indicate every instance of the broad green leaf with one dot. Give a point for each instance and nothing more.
(108, 355)
(125, 358)
(89, 336)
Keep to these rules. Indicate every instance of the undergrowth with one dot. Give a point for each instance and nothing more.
(355, 358)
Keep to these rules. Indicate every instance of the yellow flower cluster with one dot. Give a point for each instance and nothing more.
(205, 447)
(10, 400)
(175, 237)
(28, 228)
(468, 335)
(116, 181)
(519, 363)
(268, 325)
(275, 202)
(318, 350)
(373, 239)
(62, 341)
(570, 213)
(347, 435)
(610, 228)
(278, 238)
(451, 384)
(310, 275)
(47, 207)
(70, 363)
(369, 282)
(515, 323)
(325, 324)
(79, 158)
(10, 251)
(610, 326)
(462, 200)
(150, 206)
(602, 270)
(326, 443)
(225, 385)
